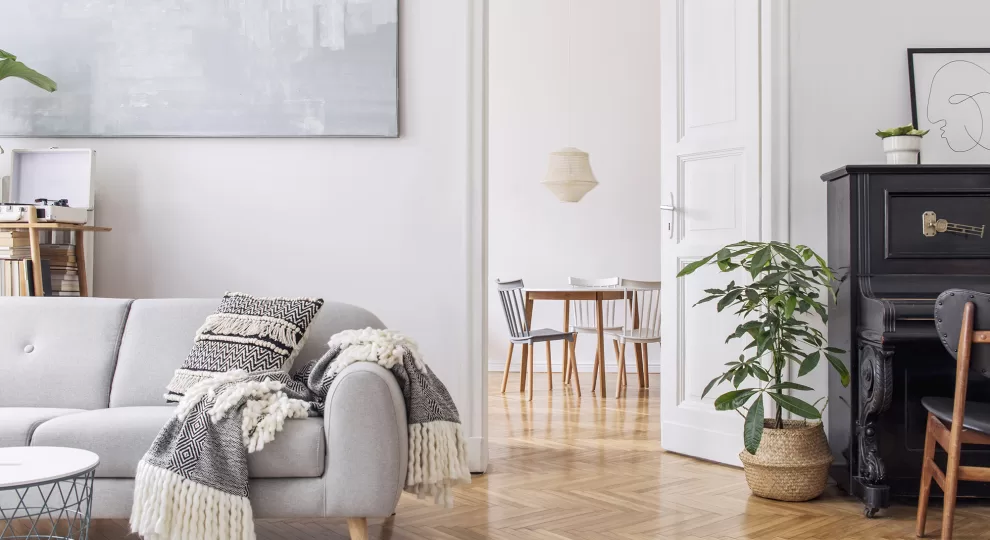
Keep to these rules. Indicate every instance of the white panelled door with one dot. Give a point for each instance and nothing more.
(710, 151)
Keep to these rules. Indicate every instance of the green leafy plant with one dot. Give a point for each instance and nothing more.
(901, 131)
(11, 67)
(778, 308)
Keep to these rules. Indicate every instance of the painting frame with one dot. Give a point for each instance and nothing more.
(392, 130)
(940, 147)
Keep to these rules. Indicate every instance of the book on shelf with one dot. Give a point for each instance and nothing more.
(17, 278)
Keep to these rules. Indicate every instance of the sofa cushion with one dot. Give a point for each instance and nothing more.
(17, 424)
(121, 436)
(246, 333)
(59, 352)
(159, 334)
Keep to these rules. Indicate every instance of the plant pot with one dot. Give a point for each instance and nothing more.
(791, 464)
(902, 149)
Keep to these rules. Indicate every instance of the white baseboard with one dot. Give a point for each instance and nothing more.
(477, 448)
(583, 367)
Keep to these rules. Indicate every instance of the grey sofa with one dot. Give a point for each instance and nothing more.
(91, 372)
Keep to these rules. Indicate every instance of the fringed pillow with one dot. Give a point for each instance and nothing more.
(248, 333)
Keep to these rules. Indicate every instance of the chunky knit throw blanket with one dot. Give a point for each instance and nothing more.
(193, 481)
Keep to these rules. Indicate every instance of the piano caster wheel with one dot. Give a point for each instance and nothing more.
(870, 513)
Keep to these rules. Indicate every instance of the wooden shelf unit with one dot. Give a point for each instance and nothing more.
(32, 226)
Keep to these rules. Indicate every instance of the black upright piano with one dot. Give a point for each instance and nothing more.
(899, 235)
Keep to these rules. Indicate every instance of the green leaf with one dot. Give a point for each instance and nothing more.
(760, 259)
(787, 385)
(752, 296)
(733, 399)
(738, 378)
(728, 299)
(4, 55)
(723, 254)
(834, 350)
(809, 363)
(797, 406)
(710, 386)
(839, 367)
(707, 299)
(17, 70)
(771, 279)
(714, 291)
(753, 428)
(694, 266)
(790, 306)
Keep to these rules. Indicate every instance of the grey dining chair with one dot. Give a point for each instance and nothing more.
(641, 326)
(514, 305)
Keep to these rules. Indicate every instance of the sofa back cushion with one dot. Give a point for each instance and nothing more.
(160, 333)
(59, 352)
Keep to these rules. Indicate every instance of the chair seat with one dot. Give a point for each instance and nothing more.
(640, 335)
(977, 416)
(594, 329)
(544, 334)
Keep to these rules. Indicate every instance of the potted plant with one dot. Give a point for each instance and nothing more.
(902, 144)
(784, 459)
(12, 68)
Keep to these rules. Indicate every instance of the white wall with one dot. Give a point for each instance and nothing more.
(849, 77)
(383, 224)
(608, 104)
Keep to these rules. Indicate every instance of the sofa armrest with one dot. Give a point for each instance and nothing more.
(367, 443)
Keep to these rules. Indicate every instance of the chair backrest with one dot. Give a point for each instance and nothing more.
(950, 323)
(642, 305)
(514, 306)
(583, 311)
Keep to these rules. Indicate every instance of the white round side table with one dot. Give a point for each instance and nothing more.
(46, 492)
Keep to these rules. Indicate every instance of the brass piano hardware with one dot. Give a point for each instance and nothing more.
(931, 225)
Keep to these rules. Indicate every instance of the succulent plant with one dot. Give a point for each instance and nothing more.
(908, 130)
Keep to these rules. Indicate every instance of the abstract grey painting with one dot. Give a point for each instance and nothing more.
(203, 68)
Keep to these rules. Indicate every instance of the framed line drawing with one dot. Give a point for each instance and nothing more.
(950, 96)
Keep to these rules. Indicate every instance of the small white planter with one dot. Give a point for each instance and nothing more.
(902, 150)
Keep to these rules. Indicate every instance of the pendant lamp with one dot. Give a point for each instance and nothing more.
(569, 175)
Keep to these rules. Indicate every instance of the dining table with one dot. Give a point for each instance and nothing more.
(567, 294)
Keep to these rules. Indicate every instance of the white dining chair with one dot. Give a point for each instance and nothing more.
(582, 318)
(641, 326)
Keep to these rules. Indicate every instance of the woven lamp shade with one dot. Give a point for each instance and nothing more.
(569, 176)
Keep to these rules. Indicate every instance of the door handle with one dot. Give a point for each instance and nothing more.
(670, 208)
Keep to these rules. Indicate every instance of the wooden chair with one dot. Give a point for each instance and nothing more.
(641, 326)
(957, 313)
(581, 318)
(514, 305)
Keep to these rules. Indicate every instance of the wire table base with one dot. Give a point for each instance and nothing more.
(56, 509)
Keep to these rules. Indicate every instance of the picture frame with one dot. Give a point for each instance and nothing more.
(950, 97)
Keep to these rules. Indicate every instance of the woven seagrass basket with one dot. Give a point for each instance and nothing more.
(791, 464)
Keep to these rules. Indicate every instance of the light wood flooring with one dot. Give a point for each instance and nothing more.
(564, 467)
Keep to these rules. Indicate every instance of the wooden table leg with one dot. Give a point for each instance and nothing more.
(599, 323)
(565, 364)
(573, 363)
(594, 373)
(35, 253)
(81, 263)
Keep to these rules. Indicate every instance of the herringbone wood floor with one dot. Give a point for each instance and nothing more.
(564, 467)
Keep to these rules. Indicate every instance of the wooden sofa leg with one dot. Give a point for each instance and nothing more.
(358, 527)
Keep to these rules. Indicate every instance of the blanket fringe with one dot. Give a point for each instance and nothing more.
(383, 347)
(437, 461)
(170, 507)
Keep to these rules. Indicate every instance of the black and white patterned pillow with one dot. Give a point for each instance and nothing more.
(249, 333)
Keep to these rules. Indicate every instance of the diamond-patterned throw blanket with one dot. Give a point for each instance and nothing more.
(193, 481)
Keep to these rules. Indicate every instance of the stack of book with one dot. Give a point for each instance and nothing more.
(60, 270)
(58, 249)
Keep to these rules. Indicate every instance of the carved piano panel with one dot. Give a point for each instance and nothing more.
(900, 235)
